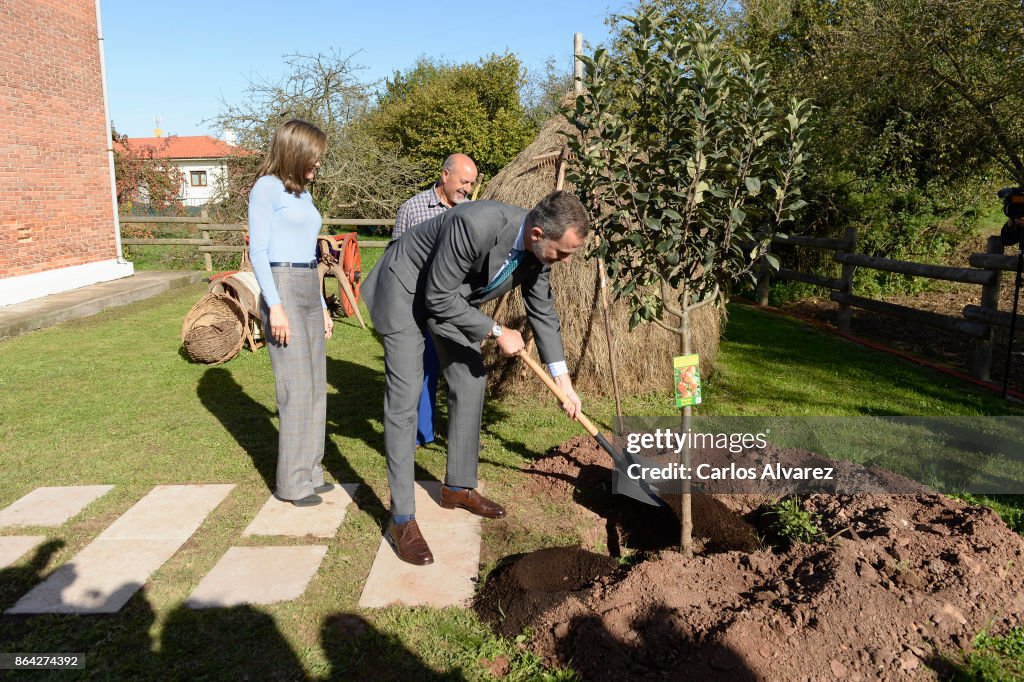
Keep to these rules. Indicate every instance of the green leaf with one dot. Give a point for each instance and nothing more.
(753, 185)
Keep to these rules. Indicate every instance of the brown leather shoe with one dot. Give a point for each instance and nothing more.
(472, 501)
(409, 543)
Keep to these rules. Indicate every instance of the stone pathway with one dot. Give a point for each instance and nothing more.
(454, 539)
(51, 506)
(322, 521)
(40, 313)
(13, 547)
(264, 575)
(258, 575)
(104, 575)
(111, 568)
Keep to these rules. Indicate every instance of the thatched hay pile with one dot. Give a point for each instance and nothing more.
(643, 357)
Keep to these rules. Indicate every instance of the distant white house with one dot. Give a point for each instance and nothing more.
(201, 158)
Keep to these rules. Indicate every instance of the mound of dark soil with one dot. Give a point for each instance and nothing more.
(910, 578)
(518, 592)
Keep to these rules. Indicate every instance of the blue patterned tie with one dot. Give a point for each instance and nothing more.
(513, 262)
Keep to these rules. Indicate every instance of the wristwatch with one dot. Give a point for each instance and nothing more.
(496, 331)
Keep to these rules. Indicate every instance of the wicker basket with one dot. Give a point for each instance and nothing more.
(214, 329)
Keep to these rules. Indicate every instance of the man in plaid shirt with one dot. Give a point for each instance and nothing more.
(455, 186)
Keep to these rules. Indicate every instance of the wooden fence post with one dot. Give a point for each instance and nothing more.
(577, 65)
(850, 245)
(981, 364)
(204, 213)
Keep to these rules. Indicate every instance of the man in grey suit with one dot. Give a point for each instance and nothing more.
(435, 277)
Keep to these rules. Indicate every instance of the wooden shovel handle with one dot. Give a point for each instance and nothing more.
(559, 393)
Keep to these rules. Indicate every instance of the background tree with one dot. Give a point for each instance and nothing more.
(545, 92)
(682, 158)
(918, 113)
(144, 181)
(357, 177)
(434, 109)
(915, 124)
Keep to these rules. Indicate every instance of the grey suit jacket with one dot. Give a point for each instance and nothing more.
(438, 270)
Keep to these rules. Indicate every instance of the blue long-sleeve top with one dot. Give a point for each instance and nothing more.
(282, 228)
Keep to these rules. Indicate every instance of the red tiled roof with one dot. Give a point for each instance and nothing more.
(190, 147)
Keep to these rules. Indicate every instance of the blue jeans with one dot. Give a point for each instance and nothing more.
(428, 396)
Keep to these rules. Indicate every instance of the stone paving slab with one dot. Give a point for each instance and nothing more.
(99, 579)
(322, 521)
(168, 512)
(258, 575)
(454, 539)
(449, 581)
(13, 547)
(107, 572)
(51, 506)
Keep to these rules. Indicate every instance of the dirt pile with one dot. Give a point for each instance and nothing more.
(909, 579)
(517, 593)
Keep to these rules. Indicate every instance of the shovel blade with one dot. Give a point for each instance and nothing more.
(622, 484)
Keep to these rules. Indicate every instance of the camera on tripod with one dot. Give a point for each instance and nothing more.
(1013, 208)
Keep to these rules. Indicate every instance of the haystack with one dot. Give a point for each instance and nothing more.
(643, 356)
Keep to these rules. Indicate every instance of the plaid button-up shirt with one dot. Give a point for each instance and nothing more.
(421, 207)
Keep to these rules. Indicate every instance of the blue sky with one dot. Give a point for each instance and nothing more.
(179, 60)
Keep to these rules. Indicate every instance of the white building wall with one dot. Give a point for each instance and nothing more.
(215, 170)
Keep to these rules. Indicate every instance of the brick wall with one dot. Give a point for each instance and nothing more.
(54, 172)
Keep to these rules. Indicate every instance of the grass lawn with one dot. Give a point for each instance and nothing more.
(111, 399)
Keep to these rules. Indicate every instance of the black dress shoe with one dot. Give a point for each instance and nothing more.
(307, 501)
(325, 488)
(409, 543)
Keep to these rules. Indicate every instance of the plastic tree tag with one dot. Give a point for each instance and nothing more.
(686, 378)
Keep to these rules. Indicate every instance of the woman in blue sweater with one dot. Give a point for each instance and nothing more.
(283, 227)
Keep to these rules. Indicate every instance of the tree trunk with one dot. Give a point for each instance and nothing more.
(685, 510)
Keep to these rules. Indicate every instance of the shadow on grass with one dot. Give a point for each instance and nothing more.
(240, 642)
(357, 412)
(833, 365)
(358, 651)
(225, 643)
(114, 646)
(249, 422)
(17, 580)
(496, 412)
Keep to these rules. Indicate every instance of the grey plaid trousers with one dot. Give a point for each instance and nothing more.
(300, 379)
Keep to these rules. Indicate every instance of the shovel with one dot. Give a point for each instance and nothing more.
(621, 483)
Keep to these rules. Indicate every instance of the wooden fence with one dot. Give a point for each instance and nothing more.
(976, 321)
(206, 245)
